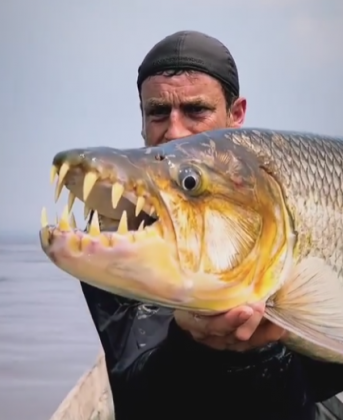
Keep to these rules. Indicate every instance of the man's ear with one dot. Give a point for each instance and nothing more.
(143, 122)
(143, 133)
(238, 112)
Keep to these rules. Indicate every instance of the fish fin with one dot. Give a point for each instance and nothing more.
(310, 307)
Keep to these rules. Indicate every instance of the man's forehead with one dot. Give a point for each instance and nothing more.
(178, 89)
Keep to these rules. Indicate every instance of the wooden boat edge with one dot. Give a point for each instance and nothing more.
(90, 398)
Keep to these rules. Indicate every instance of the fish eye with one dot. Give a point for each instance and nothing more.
(189, 179)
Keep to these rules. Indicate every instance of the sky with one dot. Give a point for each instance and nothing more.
(68, 73)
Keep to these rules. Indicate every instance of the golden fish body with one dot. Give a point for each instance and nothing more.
(213, 221)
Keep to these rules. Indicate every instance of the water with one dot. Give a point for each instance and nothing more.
(47, 338)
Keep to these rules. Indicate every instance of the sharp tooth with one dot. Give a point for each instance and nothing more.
(123, 227)
(59, 187)
(141, 226)
(71, 199)
(44, 218)
(64, 221)
(104, 240)
(53, 173)
(60, 183)
(86, 212)
(117, 192)
(94, 228)
(86, 240)
(63, 171)
(72, 221)
(88, 184)
(73, 243)
(139, 205)
(152, 211)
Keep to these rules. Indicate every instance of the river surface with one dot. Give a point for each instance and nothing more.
(47, 338)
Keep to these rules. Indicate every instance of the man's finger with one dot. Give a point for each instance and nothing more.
(219, 325)
(222, 325)
(246, 330)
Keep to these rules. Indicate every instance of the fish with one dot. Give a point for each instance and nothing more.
(210, 222)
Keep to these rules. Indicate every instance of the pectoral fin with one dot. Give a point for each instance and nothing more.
(310, 307)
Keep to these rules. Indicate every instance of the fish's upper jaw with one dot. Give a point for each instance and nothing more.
(106, 181)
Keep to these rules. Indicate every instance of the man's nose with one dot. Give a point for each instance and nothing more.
(176, 127)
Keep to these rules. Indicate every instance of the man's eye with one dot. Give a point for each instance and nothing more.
(159, 111)
(195, 109)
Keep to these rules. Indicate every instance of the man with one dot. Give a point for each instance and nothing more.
(165, 365)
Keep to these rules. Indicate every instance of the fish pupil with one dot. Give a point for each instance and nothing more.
(189, 182)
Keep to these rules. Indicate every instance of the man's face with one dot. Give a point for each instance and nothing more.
(185, 104)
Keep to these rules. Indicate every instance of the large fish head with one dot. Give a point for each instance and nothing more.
(201, 227)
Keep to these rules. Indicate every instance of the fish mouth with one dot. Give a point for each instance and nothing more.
(129, 225)
(118, 191)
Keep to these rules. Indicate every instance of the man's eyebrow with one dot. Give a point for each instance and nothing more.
(156, 102)
(196, 101)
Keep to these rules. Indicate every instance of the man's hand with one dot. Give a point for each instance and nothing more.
(240, 329)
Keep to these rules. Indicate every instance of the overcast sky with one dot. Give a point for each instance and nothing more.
(68, 77)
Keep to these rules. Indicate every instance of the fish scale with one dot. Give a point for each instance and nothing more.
(306, 166)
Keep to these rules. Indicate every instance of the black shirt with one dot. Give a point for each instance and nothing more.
(157, 371)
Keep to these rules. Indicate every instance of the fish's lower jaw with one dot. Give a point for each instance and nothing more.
(74, 243)
(117, 262)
